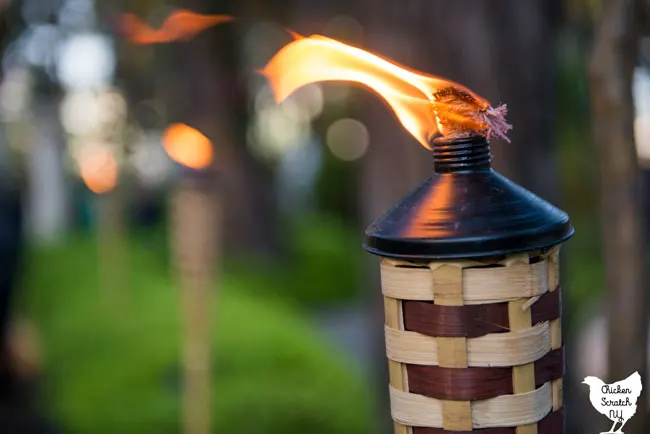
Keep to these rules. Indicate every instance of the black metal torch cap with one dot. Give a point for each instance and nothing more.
(466, 209)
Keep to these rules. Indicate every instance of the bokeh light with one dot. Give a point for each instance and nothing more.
(40, 45)
(188, 146)
(642, 137)
(15, 93)
(97, 167)
(150, 162)
(641, 86)
(347, 139)
(84, 113)
(77, 14)
(310, 100)
(279, 128)
(86, 61)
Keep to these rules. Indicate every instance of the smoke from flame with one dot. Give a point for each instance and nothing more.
(180, 25)
(424, 104)
(188, 146)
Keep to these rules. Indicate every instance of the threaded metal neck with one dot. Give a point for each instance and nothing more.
(467, 154)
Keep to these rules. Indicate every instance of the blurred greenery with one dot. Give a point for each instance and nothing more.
(323, 265)
(578, 170)
(112, 358)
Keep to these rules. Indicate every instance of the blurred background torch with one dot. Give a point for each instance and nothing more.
(97, 157)
(194, 231)
(99, 171)
(195, 222)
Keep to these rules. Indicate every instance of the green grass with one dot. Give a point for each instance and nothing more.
(322, 266)
(112, 359)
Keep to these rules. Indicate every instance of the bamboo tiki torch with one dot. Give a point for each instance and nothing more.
(469, 260)
(195, 221)
(194, 231)
(470, 278)
(99, 171)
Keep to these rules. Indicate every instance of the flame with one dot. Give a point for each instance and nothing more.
(98, 169)
(180, 25)
(187, 146)
(424, 104)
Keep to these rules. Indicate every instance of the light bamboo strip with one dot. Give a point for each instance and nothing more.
(523, 376)
(502, 411)
(497, 349)
(556, 325)
(480, 285)
(396, 371)
(452, 352)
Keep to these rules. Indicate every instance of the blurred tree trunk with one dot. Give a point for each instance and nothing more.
(48, 204)
(208, 92)
(611, 70)
(502, 50)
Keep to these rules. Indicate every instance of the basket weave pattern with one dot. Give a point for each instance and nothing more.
(475, 345)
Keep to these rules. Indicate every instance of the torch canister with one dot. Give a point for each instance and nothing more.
(470, 279)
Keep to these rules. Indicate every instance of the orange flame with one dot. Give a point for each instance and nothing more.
(180, 25)
(98, 170)
(424, 104)
(187, 146)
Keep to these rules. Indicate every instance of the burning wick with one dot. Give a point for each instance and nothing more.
(427, 106)
(180, 25)
(459, 113)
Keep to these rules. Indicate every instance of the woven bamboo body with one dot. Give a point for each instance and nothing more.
(475, 345)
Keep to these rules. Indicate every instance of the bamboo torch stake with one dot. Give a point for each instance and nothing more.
(195, 231)
(111, 244)
(99, 171)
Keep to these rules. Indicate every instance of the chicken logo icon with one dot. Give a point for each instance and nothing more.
(617, 401)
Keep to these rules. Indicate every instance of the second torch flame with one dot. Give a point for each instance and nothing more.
(188, 146)
(425, 105)
(180, 25)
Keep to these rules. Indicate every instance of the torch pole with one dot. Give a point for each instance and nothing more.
(195, 232)
(111, 249)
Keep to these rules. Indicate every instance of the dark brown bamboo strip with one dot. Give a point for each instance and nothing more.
(472, 321)
(550, 367)
(548, 307)
(455, 321)
(452, 352)
(472, 384)
(551, 424)
(468, 384)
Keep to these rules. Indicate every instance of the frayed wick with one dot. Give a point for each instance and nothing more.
(459, 112)
(495, 120)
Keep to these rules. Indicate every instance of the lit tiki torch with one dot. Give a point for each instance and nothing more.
(194, 232)
(195, 223)
(99, 170)
(469, 260)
